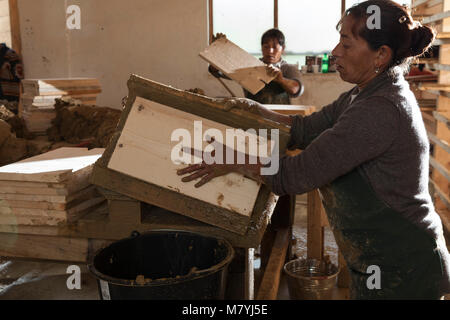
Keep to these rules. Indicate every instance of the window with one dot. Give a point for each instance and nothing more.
(308, 25)
(350, 3)
(244, 21)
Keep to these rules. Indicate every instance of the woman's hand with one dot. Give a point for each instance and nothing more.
(206, 171)
(218, 36)
(243, 104)
(275, 72)
(290, 86)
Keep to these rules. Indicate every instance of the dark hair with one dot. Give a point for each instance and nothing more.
(273, 34)
(406, 37)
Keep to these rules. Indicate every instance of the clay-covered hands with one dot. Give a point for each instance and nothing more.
(274, 72)
(243, 104)
(212, 167)
(218, 36)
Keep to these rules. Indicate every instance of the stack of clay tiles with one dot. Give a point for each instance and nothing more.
(37, 101)
(49, 189)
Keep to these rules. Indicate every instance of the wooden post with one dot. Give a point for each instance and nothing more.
(16, 41)
(249, 290)
(270, 283)
(275, 14)
(315, 232)
(211, 20)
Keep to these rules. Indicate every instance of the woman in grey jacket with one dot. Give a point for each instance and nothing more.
(368, 153)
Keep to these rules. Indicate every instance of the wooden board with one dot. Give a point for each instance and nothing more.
(291, 109)
(48, 198)
(54, 166)
(34, 217)
(268, 289)
(74, 200)
(69, 212)
(237, 64)
(144, 153)
(49, 248)
(52, 87)
(171, 199)
(78, 181)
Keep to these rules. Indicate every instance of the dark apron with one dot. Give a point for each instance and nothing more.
(368, 232)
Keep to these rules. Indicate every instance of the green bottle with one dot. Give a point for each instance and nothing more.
(325, 63)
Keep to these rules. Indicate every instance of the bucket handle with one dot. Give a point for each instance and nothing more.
(135, 234)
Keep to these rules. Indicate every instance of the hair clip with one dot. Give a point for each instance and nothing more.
(402, 19)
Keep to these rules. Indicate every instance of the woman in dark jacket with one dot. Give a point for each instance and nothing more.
(368, 153)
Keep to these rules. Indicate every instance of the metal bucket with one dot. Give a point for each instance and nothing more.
(310, 279)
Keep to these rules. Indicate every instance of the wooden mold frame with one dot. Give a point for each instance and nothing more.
(204, 107)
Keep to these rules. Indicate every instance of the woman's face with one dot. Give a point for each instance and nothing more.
(272, 51)
(355, 61)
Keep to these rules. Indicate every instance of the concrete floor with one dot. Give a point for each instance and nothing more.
(38, 280)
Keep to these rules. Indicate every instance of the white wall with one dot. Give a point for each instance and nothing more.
(157, 39)
(321, 89)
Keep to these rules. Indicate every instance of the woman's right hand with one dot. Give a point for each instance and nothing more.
(218, 36)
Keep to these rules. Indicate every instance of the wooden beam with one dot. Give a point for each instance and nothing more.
(249, 288)
(268, 289)
(442, 118)
(442, 170)
(342, 7)
(16, 40)
(445, 199)
(441, 143)
(211, 20)
(436, 17)
(315, 231)
(275, 14)
(49, 248)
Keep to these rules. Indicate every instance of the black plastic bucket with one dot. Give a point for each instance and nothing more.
(163, 265)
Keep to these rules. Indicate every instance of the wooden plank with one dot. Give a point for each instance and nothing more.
(54, 166)
(45, 204)
(14, 18)
(291, 109)
(144, 153)
(67, 214)
(315, 231)
(55, 218)
(52, 87)
(440, 117)
(268, 289)
(49, 198)
(445, 199)
(78, 181)
(249, 287)
(442, 170)
(204, 107)
(429, 3)
(211, 20)
(237, 64)
(441, 143)
(436, 17)
(49, 248)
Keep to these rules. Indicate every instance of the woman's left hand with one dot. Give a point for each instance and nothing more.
(275, 72)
